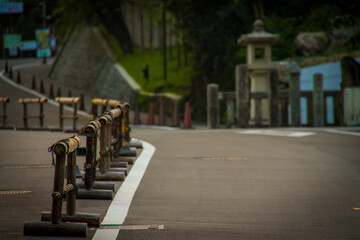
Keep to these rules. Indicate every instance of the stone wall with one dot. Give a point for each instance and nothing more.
(86, 62)
(352, 106)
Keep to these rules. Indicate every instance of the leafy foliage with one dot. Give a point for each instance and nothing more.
(287, 28)
(178, 81)
(211, 28)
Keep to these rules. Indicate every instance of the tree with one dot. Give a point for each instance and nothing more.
(94, 12)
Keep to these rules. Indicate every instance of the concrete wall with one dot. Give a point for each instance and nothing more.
(86, 62)
(352, 106)
(132, 17)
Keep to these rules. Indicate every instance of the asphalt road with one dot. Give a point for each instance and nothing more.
(207, 184)
(219, 184)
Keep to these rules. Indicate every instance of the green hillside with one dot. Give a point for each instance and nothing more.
(178, 80)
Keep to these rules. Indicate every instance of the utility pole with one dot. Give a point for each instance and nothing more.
(44, 14)
(164, 40)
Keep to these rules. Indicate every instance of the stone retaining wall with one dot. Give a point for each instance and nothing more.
(86, 62)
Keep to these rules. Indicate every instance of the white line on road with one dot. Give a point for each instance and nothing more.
(277, 133)
(342, 132)
(119, 207)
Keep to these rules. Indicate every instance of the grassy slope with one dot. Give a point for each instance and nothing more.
(178, 81)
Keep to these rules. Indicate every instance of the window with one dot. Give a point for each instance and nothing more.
(259, 53)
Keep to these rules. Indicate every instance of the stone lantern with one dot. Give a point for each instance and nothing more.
(258, 59)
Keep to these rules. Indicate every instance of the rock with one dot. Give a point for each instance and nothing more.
(311, 43)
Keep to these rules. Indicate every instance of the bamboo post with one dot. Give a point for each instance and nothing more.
(104, 147)
(91, 131)
(61, 114)
(108, 141)
(41, 116)
(71, 180)
(90, 192)
(106, 121)
(74, 117)
(95, 102)
(117, 132)
(126, 150)
(4, 101)
(4, 115)
(60, 149)
(25, 119)
(78, 222)
(58, 188)
(26, 116)
(127, 124)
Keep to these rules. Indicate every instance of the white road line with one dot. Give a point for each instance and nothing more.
(106, 234)
(281, 133)
(120, 205)
(35, 93)
(157, 127)
(342, 132)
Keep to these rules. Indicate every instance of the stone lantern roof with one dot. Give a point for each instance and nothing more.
(258, 35)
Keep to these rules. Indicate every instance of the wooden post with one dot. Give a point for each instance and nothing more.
(60, 149)
(318, 100)
(295, 98)
(61, 113)
(91, 131)
(90, 168)
(25, 118)
(108, 142)
(75, 116)
(4, 116)
(242, 96)
(106, 191)
(127, 124)
(41, 117)
(212, 105)
(58, 189)
(68, 100)
(103, 109)
(274, 100)
(121, 127)
(115, 134)
(94, 112)
(103, 147)
(26, 101)
(71, 179)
